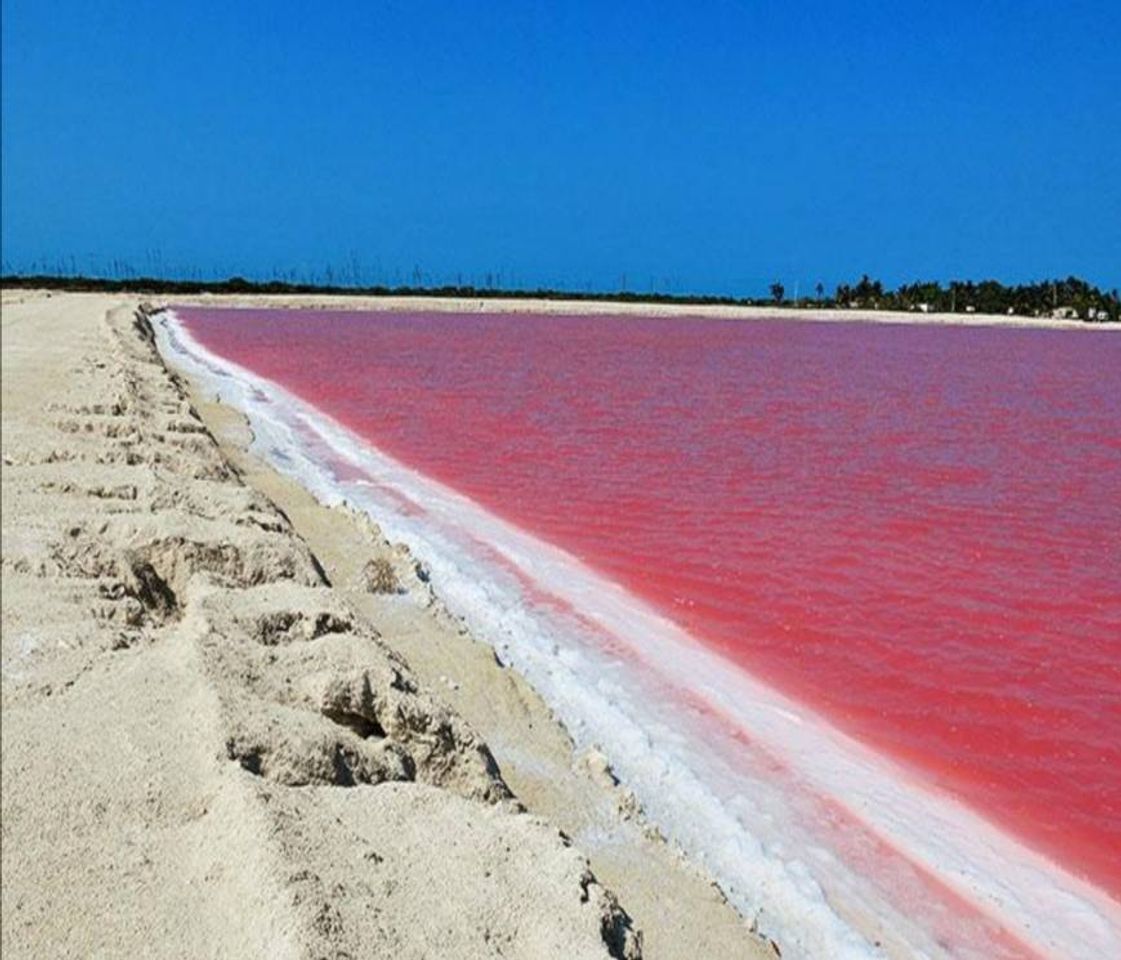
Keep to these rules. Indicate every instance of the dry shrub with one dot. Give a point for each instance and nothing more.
(378, 576)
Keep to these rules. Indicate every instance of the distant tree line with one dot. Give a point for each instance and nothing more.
(1072, 297)
(157, 286)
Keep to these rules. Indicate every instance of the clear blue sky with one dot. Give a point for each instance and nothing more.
(699, 146)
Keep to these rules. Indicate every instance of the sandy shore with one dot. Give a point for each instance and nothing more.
(221, 738)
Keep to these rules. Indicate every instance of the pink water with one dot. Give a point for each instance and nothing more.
(914, 529)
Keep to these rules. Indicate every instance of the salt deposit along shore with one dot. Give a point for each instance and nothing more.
(221, 737)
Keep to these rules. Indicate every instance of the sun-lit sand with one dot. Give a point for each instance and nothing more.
(218, 741)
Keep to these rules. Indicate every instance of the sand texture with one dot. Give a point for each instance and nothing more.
(237, 723)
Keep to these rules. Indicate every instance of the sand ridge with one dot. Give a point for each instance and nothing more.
(207, 750)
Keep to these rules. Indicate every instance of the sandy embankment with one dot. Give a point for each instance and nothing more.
(637, 309)
(212, 743)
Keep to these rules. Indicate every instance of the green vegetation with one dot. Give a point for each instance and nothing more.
(1061, 298)
(1072, 297)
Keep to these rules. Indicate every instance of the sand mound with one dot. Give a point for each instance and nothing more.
(205, 751)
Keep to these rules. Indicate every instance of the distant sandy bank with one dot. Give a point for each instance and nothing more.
(612, 308)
